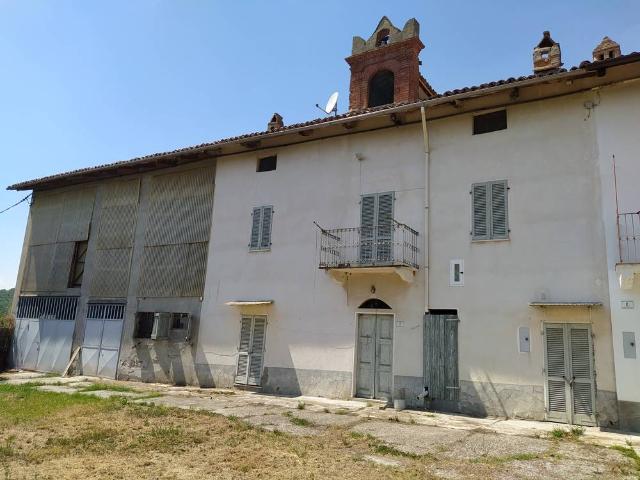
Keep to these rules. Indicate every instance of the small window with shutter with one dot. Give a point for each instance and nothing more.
(261, 228)
(489, 211)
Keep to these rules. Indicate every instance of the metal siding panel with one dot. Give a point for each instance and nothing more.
(163, 270)
(46, 215)
(61, 267)
(38, 268)
(195, 270)
(89, 359)
(110, 277)
(118, 214)
(180, 207)
(56, 337)
(76, 216)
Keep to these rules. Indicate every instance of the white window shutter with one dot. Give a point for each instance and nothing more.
(244, 350)
(480, 211)
(499, 218)
(256, 220)
(367, 223)
(265, 231)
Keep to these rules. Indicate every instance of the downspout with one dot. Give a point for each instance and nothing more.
(425, 137)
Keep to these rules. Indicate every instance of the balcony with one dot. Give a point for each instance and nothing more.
(629, 238)
(391, 248)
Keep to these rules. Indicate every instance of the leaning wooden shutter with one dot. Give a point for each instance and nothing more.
(257, 350)
(556, 372)
(480, 211)
(582, 373)
(243, 350)
(255, 228)
(265, 231)
(384, 227)
(499, 218)
(367, 223)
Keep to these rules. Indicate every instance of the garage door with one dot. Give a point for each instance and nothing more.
(44, 332)
(101, 346)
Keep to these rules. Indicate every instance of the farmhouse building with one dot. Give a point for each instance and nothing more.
(475, 250)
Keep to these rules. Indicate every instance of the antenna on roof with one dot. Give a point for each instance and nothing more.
(332, 104)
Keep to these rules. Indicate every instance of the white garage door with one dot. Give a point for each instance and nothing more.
(101, 346)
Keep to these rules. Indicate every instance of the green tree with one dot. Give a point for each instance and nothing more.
(6, 297)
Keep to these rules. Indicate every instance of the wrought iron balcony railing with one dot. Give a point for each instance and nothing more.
(629, 232)
(394, 244)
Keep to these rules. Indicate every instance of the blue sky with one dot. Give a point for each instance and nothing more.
(86, 83)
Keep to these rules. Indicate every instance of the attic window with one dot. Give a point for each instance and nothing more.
(382, 38)
(490, 122)
(267, 164)
(381, 88)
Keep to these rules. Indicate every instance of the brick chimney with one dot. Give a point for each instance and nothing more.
(607, 48)
(385, 68)
(276, 122)
(546, 55)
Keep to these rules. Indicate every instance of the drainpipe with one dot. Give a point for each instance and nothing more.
(425, 136)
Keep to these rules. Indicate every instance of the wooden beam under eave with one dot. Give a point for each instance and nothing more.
(350, 125)
(306, 133)
(251, 144)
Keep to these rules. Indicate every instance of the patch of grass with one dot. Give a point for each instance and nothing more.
(25, 403)
(301, 406)
(342, 411)
(384, 449)
(110, 387)
(95, 440)
(573, 433)
(356, 435)
(300, 422)
(6, 450)
(522, 457)
(629, 452)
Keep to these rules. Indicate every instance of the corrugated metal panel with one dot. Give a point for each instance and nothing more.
(111, 273)
(118, 214)
(163, 269)
(61, 266)
(38, 268)
(195, 271)
(76, 216)
(46, 214)
(180, 207)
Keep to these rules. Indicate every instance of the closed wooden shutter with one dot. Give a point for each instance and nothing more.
(556, 372)
(480, 211)
(441, 359)
(499, 227)
(256, 221)
(384, 233)
(265, 233)
(367, 224)
(256, 356)
(582, 374)
(243, 350)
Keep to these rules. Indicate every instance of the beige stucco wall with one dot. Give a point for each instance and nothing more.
(555, 250)
(617, 119)
(312, 322)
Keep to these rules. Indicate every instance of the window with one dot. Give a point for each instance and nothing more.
(180, 321)
(267, 164)
(456, 273)
(261, 228)
(144, 324)
(489, 210)
(77, 266)
(382, 38)
(381, 88)
(490, 122)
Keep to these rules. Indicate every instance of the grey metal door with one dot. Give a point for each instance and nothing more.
(441, 360)
(570, 384)
(374, 370)
(253, 332)
(102, 337)
(44, 332)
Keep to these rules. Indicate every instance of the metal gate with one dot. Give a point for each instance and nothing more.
(374, 377)
(102, 336)
(570, 383)
(251, 350)
(441, 360)
(44, 332)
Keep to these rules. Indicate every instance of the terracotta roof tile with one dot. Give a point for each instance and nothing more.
(317, 121)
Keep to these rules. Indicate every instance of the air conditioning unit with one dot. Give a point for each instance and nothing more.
(161, 325)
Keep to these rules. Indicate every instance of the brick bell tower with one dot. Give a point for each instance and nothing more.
(385, 69)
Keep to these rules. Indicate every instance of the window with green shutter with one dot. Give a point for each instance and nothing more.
(489, 212)
(261, 228)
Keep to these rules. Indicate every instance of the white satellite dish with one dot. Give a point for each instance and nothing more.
(332, 104)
